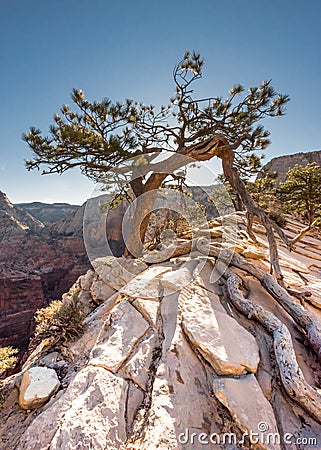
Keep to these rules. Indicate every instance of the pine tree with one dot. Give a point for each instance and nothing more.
(100, 138)
(301, 191)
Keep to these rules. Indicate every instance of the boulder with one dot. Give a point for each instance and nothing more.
(101, 291)
(38, 384)
(53, 360)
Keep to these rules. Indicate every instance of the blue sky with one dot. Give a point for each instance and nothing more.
(128, 49)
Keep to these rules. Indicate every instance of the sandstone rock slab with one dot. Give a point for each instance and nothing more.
(118, 337)
(134, 400)
(148, 308)
(137, 367)
(117, 272)
(177, 279)
(38, 384)
(248, 406)
(226, 345)
(253, 252)
(179, 402)
(91, 414)
(80, 348)
(147, 284)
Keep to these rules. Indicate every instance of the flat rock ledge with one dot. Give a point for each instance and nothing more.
(226, 345)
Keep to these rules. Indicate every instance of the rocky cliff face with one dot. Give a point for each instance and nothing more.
(168, 360)
(282, 164)
(39, 262)
(15, 219)
(35, 267)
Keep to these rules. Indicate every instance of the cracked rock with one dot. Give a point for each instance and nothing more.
(118, 338)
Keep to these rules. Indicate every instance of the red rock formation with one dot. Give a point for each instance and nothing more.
(20, 297)
(35, 268)
(39, 263)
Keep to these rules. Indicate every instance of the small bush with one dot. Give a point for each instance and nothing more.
(46, 318)
(8, 360)
(62, 319)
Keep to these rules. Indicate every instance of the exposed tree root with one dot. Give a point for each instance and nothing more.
(291, 374)
(305, 319)
(302, 316)
(302, 233)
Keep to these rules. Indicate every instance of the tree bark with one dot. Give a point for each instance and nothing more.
(204, 151)
(139, 220)
(302, 233)
(226, 154)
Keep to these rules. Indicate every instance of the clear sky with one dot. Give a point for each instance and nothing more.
(127, 49)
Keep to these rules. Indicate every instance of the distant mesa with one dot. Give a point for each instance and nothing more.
(48, 213)
(282, 164)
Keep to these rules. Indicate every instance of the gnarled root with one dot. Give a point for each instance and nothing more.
(302, 316)
(291, 374)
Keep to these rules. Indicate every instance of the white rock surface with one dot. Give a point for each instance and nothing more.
(226, 345)
(147, 284)
(137, 367)
(247, 405)
(162, 366)
(117, 272)
(170, 317)
(91, 414)
(148, 308)
(81, 348)
(180, 401)
(38, 384)
(177, 280)
(118, 337)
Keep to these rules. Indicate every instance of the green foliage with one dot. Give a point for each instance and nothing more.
(62, 319)
(301, 191)
(101, 136)
(8, 360)
(263, 191)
